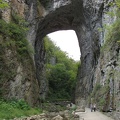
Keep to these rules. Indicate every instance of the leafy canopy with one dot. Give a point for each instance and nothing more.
(16, 108)
(3, 4)
(61, 72)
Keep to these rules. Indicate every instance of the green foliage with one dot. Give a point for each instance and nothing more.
(13, 108)
(113, 35)
(20, 104)
(113, 32)
(111, 14)
(14, 47)
(62, 74)
(16, 31)
(71, 112)
(3, 4)
(49, 47)
(99, 94)
(102, 101)
(7, 69)
(96, 88)
(117, 3)
(59, 82)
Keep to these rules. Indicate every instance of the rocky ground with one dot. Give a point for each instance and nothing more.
(88, 115)
(63, 115)
(70, 114)
(53, 111)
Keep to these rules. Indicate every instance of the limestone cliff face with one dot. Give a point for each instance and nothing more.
(107, 70)
(91, 39)
(107, 76)
(103, 78)
(19, 75)
(99, 72)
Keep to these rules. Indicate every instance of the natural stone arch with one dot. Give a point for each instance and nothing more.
(75, 16)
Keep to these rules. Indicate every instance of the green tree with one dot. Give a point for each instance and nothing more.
(62, 74)
(3, 4)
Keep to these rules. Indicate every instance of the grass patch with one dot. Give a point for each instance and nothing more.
(15, 109)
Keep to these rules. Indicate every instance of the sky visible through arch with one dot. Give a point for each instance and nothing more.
(67, 41)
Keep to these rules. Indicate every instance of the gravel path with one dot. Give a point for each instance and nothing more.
(88, 115)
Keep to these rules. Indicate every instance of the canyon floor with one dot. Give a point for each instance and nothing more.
(88, 115)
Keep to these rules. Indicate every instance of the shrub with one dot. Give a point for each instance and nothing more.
(3, 4)
(20, 104)
(17, 34)
(13, 42)
(16, 108)
(113, 30)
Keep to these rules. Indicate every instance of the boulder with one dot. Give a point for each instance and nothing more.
(58, 117)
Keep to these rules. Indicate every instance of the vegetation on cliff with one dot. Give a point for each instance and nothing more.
(101, 96)
(112, 31)
(16, 32)
(3, 4)
(16, 108)
(103, 93)
(15, 52)
(13, 48)
(61, 72)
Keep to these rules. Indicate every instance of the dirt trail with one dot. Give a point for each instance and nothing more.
(88, 115)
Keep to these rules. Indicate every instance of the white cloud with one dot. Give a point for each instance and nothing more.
(67, 41)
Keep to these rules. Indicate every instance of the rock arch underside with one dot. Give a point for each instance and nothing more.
(86, 18)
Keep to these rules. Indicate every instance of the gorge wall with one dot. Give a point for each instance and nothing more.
(17, 69)
(87, 18)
